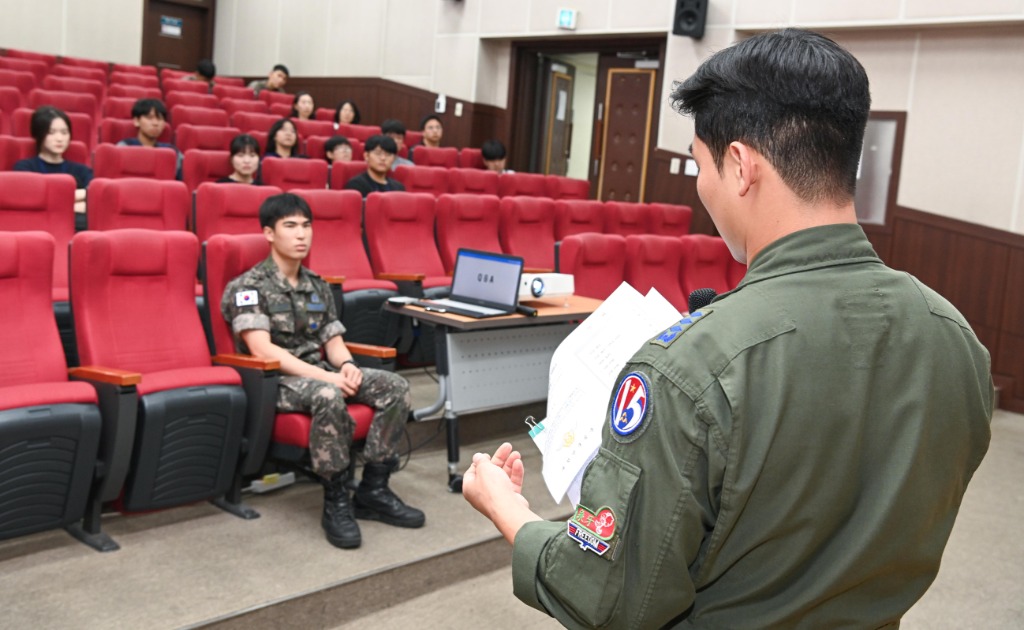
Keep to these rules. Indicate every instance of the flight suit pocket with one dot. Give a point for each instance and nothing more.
(586, 568)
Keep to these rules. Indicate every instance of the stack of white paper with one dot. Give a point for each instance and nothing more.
(581, 378)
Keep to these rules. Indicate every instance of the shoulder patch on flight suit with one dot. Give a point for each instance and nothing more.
(673, 332)
(630, 407)
(593, 530)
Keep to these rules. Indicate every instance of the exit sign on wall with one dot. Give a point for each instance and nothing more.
(567, 19)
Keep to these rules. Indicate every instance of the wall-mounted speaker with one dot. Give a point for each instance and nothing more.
(690, 17)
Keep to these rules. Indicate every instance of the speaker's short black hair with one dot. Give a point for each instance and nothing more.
(144, 106)
(384, 142)
(492, 150)
(282, 206)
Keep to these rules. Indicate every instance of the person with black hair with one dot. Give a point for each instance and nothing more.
(51, 129)
(395, 130)
(205, 71)
(493, 153)
(151, 119)
(303, 106)
(337, 149)
(245, 161)
(275, 81)
(281, 310)
(433, 130)
(379, 153)
(793, 454)
(347, 113)
(283, 140)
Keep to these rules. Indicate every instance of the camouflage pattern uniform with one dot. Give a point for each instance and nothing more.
(301, 320)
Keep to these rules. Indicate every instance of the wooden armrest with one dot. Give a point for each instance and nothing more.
(537, 270)
(106, 375)
(402, 277)
(334, 279)
(247, 361)
(365, 349)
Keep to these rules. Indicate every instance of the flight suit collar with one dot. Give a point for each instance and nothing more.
(271, 270)
(813, 248)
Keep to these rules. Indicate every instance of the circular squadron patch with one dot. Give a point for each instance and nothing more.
(630, 405)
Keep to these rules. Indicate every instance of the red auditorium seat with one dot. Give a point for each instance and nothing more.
(576, 216)
(705, 264)
(324, 113)
(567, 188)
(14, 53)
(118, 107)
(135, 80)
(172, 74)
(24, 82)
(37, 68)
(522, 184)
(270, 96)
(361, 133)
(114, 130)
(133, 68)
(423, 179)
(85, 63)
(466, 220)
(283, 110)
(10, 100)
(81, 126)
(527, 229)
(190, 99)
(251, 121)
(596, 261)
(294, 173)
(338, 215)
(307, 128)
(5, 123)
(191, 414)
(67, 101)
(200, 166)
(184, 85)
(222, 91)
(341, 172)
(625, 218)
(229, 209)
(51, 429)
(138, 203)
(230, 81)
(669, 219)
(472, 180)
(400, 235)
(133, 91)
(123, 161)
(653, 261)
(70, 84)
(206, 138)
(471, 158)
(413, 138)
(446, 157)
(203, 116)
(13, 149)
(234, 105)
(78, 72)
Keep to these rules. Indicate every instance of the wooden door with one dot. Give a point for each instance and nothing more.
(626, 119)
(555, 117)
(177, 33)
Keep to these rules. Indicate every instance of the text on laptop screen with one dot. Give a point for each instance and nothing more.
(487, 277)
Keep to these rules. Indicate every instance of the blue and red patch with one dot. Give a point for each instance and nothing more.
(630, 405)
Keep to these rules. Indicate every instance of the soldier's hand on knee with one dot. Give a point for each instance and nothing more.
(343, 383)
(353, 377)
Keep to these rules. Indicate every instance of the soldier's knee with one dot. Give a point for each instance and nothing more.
(329, 395)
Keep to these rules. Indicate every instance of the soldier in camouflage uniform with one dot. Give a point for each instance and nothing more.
(281, 310)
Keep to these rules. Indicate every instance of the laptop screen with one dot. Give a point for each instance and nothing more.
(486, 279)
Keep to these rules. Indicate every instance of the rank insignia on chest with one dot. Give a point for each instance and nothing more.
(247, 298)
(630, 405)
(314, 298)
(593, 531)
(666, 338)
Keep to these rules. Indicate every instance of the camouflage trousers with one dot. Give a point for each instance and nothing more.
(330, 434)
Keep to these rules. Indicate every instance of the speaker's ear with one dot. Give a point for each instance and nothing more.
(690, 17)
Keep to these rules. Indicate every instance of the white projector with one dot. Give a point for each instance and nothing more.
(534, 286)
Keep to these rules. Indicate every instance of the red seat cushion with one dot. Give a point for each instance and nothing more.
(437, 281)
(362, 285)
(187, 377)
(293, 428)
(37, 394)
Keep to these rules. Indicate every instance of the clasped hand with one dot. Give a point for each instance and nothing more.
(348, 379)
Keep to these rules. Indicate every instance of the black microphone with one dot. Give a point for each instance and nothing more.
(700, 298)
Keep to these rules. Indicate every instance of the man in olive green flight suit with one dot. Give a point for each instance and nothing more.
(794, 454)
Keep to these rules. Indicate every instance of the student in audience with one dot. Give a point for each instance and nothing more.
(303, 106)
(205, 71)
(493, 153)
(395, 130)
(432, 131)
(275, 81)
(51, 129)
(245, 161)
(379, 154)
(283, 140)
(346, 114)
(150, 118)
(338, 149)
(281, 310)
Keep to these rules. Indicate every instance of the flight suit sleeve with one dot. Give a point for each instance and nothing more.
(244, 307)
(624, 558)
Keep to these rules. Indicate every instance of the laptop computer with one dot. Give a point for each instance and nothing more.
(484, 284)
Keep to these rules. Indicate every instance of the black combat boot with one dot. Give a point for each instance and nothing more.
(375, 501)
(338, 523)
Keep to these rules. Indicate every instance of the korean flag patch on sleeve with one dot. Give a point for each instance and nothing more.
(247, 298)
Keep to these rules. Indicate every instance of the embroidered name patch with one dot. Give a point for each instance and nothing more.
(672, 333)
(630, 405)
(247, 298)
(593, 531)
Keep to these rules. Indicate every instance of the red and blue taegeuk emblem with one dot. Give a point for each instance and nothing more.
(630, 404)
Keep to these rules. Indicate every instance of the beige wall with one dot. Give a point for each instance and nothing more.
(108, 30)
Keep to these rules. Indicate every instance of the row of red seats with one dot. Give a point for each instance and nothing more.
(42, 64)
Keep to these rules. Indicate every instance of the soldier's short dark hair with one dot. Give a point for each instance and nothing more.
(144, 106)
(281, 207)
(386, 143)
(206, 69)
(392, 125)
(492, 150)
